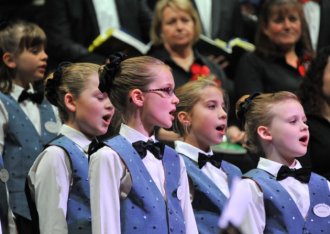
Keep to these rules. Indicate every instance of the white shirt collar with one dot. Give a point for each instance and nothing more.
(17, 90)
(133, 135)
(189, 150)
(76, 136)
(273, 167)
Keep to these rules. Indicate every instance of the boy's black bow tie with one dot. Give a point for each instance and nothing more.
(302, 174)
(156, 148)
(34, 97)
(94, 146)
(215, 160)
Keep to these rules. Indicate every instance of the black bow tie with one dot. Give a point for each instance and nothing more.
(155, 148)
(34, 97)
(214, 159)
(302, 174)
(94, 146)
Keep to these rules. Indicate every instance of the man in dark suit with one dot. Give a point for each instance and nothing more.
(324, 33)
(226, 19)
(71, 26)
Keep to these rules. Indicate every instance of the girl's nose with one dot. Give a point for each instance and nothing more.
(175, 99)
(222, 114)
(304, 126)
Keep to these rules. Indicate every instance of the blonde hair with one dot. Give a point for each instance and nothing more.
(189, 94)
(68, 78)
(257, 111)
(183, 5)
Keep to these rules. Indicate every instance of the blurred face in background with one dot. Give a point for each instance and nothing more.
(284, 26)
(177, 28)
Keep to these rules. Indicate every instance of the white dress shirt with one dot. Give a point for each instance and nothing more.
(106, 14)
(217, 175)
(110, 181)
(30, 109)
(251, 213)
(204, 7)
(51, 177)
(312, 13)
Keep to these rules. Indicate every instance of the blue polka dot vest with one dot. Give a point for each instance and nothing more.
(208, 201)
(145, 210)
(282, 214)
(22, 145)
(78, 212)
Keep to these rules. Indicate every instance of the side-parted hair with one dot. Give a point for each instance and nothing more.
(183, 5)
(265, 47)
(189, 94)
(15, 37)
(257, 111)
(68, 78)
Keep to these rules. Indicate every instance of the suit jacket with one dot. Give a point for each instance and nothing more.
(324, 34)
(226, 19)
(71, 26)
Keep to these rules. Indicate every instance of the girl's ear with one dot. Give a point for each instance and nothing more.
(136, 97)
(184, 118)
(8, 59)
(70, 102)
(264, 133)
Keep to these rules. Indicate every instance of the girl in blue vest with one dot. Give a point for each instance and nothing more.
(7, 224)
(27, 120)
(279, 196)
(137, 184)
(201, 121)
(58, 178)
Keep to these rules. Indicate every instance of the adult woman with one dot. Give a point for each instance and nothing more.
(315, 95)
(175, 28)
(283, 50)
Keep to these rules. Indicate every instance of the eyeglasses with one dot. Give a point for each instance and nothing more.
(167, 91)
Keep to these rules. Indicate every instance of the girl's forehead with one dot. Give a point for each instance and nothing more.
(211, 92)
(286, 106)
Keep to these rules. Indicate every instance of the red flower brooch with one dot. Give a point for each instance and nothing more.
(201, 72)
(303, 64)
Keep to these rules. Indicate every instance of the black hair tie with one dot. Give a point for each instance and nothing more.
(53, 83)
(244, 107)
(109, 71)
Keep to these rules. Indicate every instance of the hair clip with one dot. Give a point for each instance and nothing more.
(109, 70)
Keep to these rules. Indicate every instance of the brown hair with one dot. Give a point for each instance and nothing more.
(15, 38)
(311, 89)
(265, 47)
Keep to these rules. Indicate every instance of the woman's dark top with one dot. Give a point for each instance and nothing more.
(257, 74)
(181, 76)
